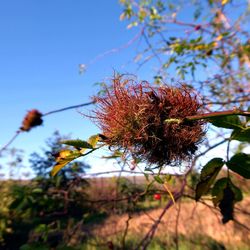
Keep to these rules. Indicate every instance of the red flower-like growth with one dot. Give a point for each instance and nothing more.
(148, 122)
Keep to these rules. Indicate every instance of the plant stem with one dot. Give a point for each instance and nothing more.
(218, 114)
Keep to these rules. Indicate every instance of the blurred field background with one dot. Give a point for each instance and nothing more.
(106, 213)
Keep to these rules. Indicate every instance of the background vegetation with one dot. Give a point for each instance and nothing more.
(206, 206)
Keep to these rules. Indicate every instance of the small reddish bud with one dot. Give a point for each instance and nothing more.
(32, 119)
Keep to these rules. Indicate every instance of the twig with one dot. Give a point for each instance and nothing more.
(10, 141)
(218, 114)
(67, 108)
(149, 236)
(177, 226)
(45, 114)
(210, 148)
(129, 172)
(126, 232)
(115, 50)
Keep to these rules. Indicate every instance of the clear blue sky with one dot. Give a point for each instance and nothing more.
(42, 44)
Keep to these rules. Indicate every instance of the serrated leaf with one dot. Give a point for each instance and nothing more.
(241, 135)
(78, 143)
(217, 191)
(207, 177)
(59, 166)
(240, 164)
(210, 167)
(158, 179)
(229, 121)
(222, 184)
(64, 157)
(226, 194)
(93, 140)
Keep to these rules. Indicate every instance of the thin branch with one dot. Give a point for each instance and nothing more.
(126, 232)
(243, 99)
(45, 114)
(10, 141)
(67, 108)
(218, 114)
(115, 50)
(210, 148)
(129, 172)
(177, 226)
(149, 236)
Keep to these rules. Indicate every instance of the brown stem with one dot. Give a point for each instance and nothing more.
(10, 141)
(218, 114)
(67, 108)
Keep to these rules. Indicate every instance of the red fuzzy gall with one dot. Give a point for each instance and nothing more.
(148, 122)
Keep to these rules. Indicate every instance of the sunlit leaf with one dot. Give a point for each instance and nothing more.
(223, 2)
(158, 179)
(78, 143)
(64, 157)
(93, 140)
(37, 191)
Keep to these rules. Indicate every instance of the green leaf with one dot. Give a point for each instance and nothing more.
(207, 177)
(77, 143)
(241, 134)
(37, 191)
(240, 164)
(64, 157)
(115, 155)
(146, 176)
(226, 194)
(93, 140)
(217, 191)
(230, 122)
(158, 179)
(248, 117)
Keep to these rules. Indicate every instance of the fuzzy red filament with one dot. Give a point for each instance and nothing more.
(148, 121)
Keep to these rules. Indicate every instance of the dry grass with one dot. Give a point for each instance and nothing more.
(194, 219)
